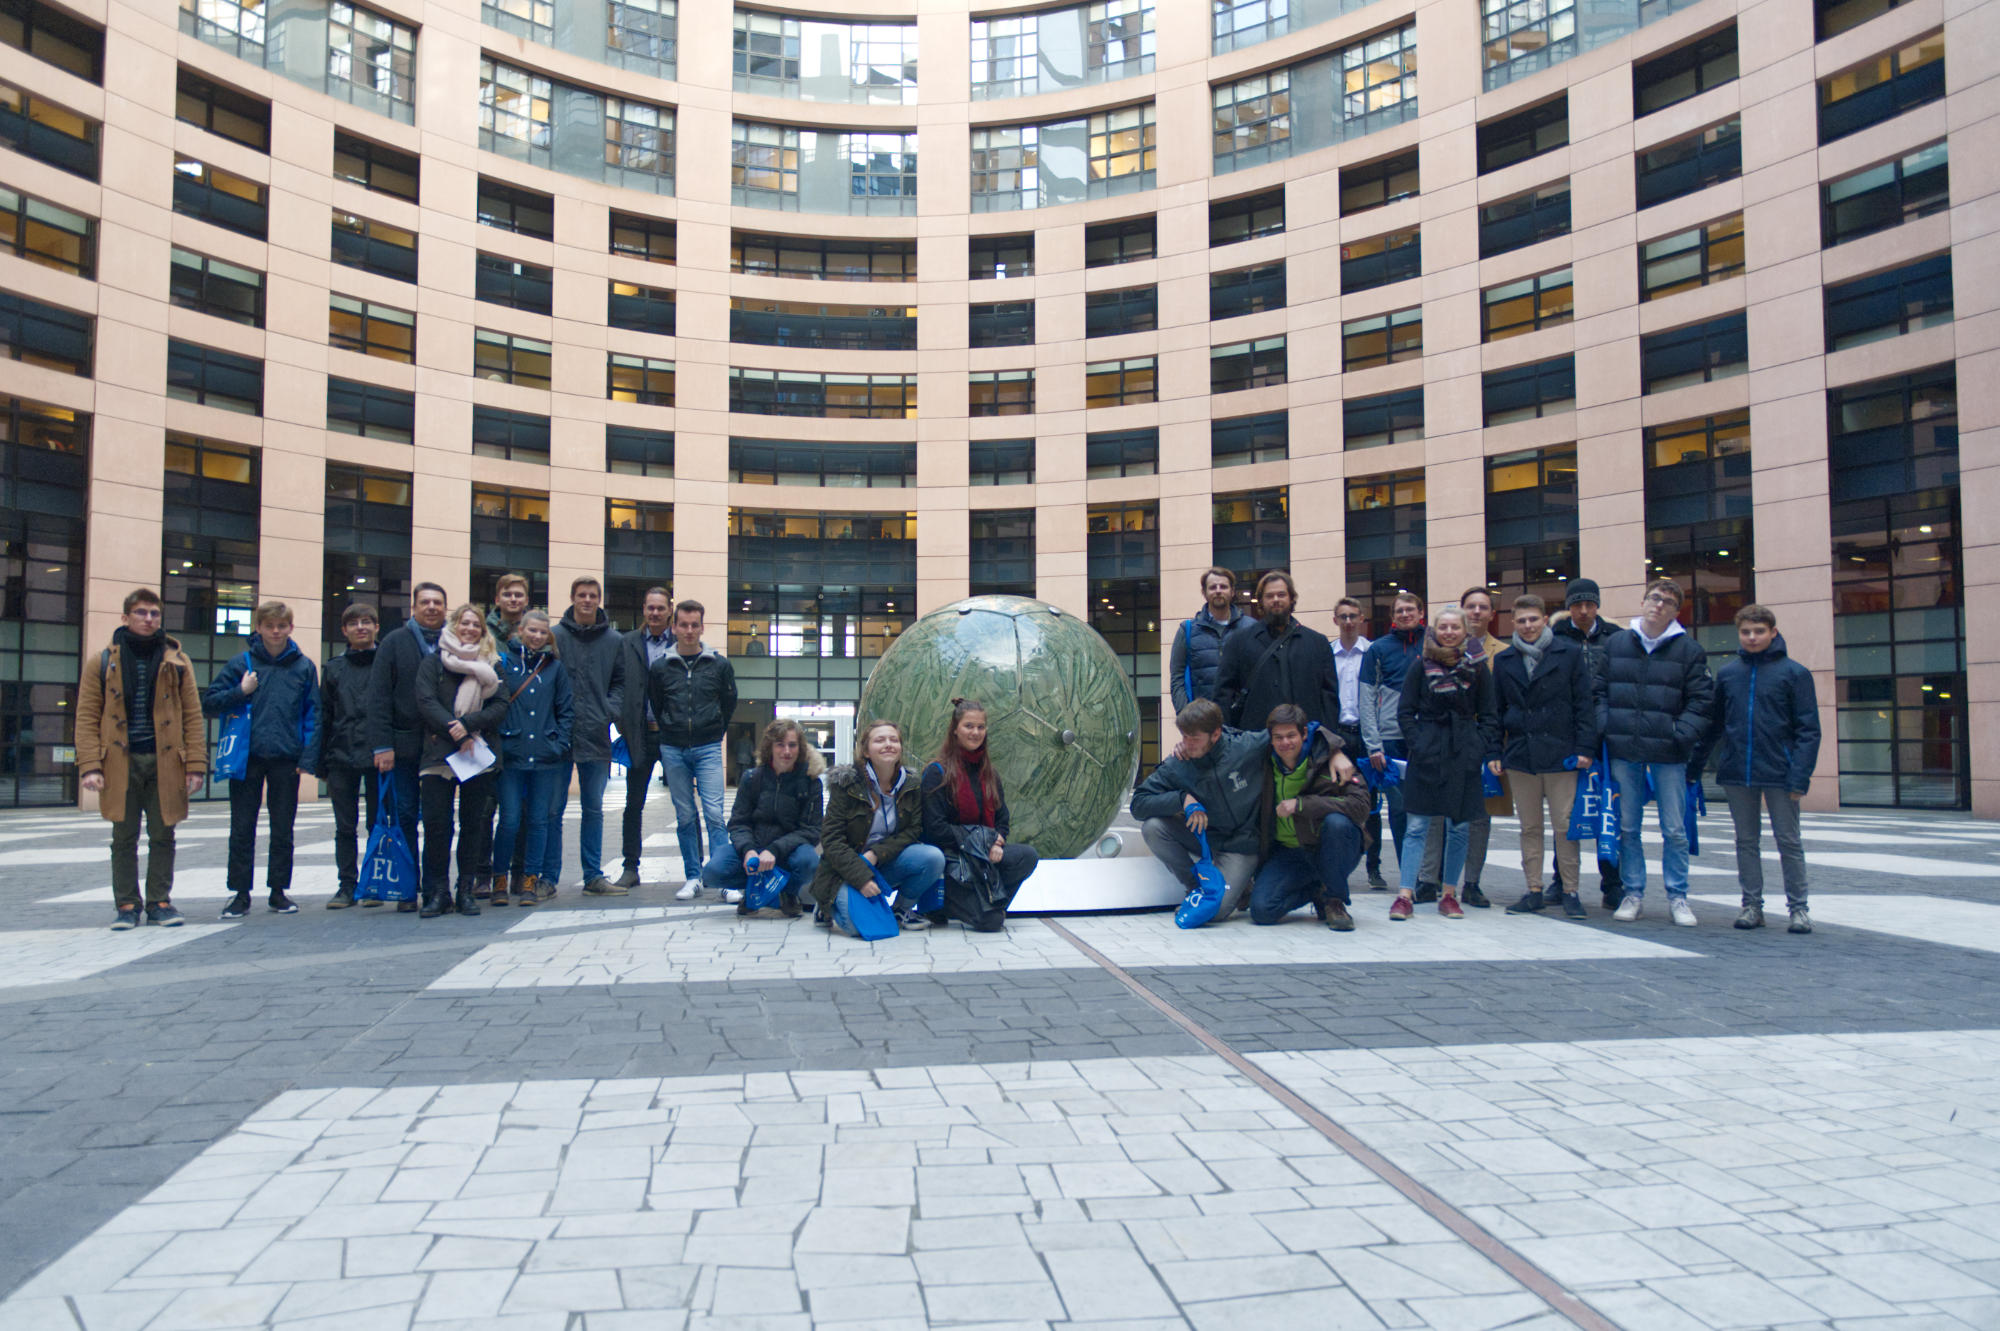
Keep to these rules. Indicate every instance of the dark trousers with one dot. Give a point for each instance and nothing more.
(281, 779)
(346, 789)
(645, 757)
(408, 802)
(475, 801)
(142, 795)
(1294, 876)
(1357, 753)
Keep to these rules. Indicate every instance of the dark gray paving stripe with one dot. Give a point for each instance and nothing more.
(1526, 1273)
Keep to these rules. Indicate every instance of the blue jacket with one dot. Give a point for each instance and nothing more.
(1196, 654)
(1384, 667)
(536, 732)
(284, 711)
(1765, 728)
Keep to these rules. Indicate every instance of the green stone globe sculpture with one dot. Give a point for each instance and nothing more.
(1062, 723)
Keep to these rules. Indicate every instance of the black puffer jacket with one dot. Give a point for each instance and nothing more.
(590, 656)
(693, 697)
(779, 811)
(343, 710)
(1550, 717)
(1657, 703)
(437, 690)
(1196, 654)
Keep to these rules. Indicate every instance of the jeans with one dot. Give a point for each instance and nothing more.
(915, 871)
(1558, 790)
(245, 796)
(592, 778)
(638, 780)
(1177, 850)
(697, 766)
(474, 800)
(142, 795)
(1295, 876)
(346, 790)
(1357, 753)
(724, 870)
(1399, 820)
(1434, 856)
(1670, 787)
(526, 794)
(1744, 811)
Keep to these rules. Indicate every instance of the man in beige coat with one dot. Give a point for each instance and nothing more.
(141, 745)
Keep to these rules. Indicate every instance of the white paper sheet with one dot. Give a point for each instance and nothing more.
(465, 765)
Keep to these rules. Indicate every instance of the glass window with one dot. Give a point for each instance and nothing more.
(1884, 305)
(1001, 461)
(50, 34)
(375, 167)
(1002, 324)
(214, 378)
(764, 157)
(499, 280)
(1912, 186)
(223, 111)
(811, 462)
(1380, 260)
(1703, 158)
(367, 538)
(374, 247)
(1837, 16)
(43, 233)
(1540, 388)
(370, 410)
(371, 60)
(1886, 86)
(1122, 453)
(220, 197)
(1121, 383)
(642, 35)
(47, 132)
(510, 534)
(837, 396)
(1246, 218)
(1128, 310)
(1240, 365)
(1242, 440)
(1379, 74)
(1252, 116)
(1246, 290)
(1382, 339)
(630, 451)
(1118, 37)
(1714, 349)
(1524, 134)
(1374, 184)
(1252, 532)
(1513, 308)
(639, 379)
(789, 323)
(882, 165)
(639, 136)
(1128, 241)
(372, 329)
(1002, 551)
(650, 238)
(823, 260)
(235, 26)
(1005, 55)
(1387, 418)
(1690, 259)
(1684, 72)
(1533, 33)
(1525, 219)
(1002, 256)
(641, 309)
(510, 359)
(516, 111)
(216, 287)
(1001, 393)
(525, 212)
(1121, 142)
(514, 436)
(45, 335)
(533, 19)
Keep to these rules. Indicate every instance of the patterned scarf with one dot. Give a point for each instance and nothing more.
(1447, 670)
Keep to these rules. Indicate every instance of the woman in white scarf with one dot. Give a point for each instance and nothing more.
(461, 702)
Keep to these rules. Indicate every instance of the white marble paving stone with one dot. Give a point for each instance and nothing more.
(56, 956)
(1960, 923)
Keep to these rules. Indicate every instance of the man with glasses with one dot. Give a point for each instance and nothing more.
(142, 748)
(1659, 698)
(1348, 649)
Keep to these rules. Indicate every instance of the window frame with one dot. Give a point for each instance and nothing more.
(1723, 333)
(27, 214)
(513, 284)
(1923, 299)
(1006, 323)
(196, 91)
(205, 358)
(1266, 364)
(1551, 374)
(1393, 330)
(372, 233)
(1389, 242)
(1903, 88)
(1382, 171)
(371, 34)
(375, 159)
(1266, 204)
(649, 239)
(641, 309)
(1101, 308)
(1499, 140)
(58, 38)
(646, 380)
(201, 206)
(374, 401)
(511, 358)
(201, 298)
(998, 454)
(994, 268)
(1127, 240)
(633, 143)
(1898, 184)
(1401, 414)
(1007, 393)
(506, 207)
(640, 448)
(1715, 152)
(1711, 59)
(1545, 208)
(1704, 242)
(1533, 289)
(904, 252)
(511, 436)
(776, 150)
(1127, 382)
(367, 315)
(36, 127)
(21, 316)
(808, 393)
(1235, 292)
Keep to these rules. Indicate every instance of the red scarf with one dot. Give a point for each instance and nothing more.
(966, 797)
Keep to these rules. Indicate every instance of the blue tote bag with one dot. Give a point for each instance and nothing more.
(871, 919)
(1204, 899)
(388, 869)
(232, 745)
(763, 889)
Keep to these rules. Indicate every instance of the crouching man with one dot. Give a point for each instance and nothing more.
(1310, 823)
(1214, 783)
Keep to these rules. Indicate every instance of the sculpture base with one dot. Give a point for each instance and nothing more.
(1084, 886)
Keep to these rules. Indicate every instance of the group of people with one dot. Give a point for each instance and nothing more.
(1292, 744)
(473, 725)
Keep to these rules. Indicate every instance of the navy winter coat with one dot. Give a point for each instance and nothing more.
(1657, 703)
(1550, 717)
(1196, 654)
(537, 730)
(590, 658)
(1765, 730)
(284, 711)
(343, 718)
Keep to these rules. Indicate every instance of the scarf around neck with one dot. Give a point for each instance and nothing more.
(481, 680)
(1447, 669)
(1532, 652)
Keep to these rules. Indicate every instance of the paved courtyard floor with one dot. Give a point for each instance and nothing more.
(640, 1113)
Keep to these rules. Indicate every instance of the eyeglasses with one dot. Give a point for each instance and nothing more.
(144, 612)
(1348, 618)
(1661, 598)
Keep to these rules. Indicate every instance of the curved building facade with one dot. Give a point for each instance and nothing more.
(831, 315)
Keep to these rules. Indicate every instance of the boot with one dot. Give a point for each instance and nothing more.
(341, 899)
(499, 897)
(1426, 893)
(482, 886)
(406, 907)
(527, 891)
(514, 881)
(1472, 896)
(1752, 916)
(468, 903)
(435, 899)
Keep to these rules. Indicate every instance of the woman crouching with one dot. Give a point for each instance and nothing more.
(965, 816)
(874, 822)
(775, 822)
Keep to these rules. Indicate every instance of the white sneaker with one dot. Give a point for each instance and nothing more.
(731, 897)
(1630, 909)
(688, 892)
(1681, 912)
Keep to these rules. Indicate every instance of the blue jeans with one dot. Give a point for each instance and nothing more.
(1410, 858)
(724, 870)
(698, 765)
(590, 833)
(1670, 790)
(1295, 876)
(1393, 798)
(529, 792)
(913, 873)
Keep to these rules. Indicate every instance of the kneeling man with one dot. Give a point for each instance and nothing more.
(1213, 783)
(1311, 824)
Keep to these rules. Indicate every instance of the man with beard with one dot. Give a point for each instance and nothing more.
(1277, 660)
(1196, 656)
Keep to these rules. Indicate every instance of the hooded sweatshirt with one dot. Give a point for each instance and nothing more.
(284, 711)
(589, 655)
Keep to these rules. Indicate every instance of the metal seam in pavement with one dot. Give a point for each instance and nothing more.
(1531, 1277)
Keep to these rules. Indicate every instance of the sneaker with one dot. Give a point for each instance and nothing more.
(1528, 904)
(913, 921)
(1573, 907)
(1629, 909)
(1553, 894)
(282, 904)
(128, 918)
(543, 888)
(1399, 909)
(627, 880)
(1473, 897)
(1751, 916)
(731, 897)
(1448, 907)
(688, 892)
(165, 916)
(1426, 893)
(341, 899)
(238, 907)
(1337, 918)
(1680, 912)
(601, 886)
(1376, 882)
(1801, 921)
(822, 918)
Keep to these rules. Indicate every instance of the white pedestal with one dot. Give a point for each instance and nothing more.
(1071, 887)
